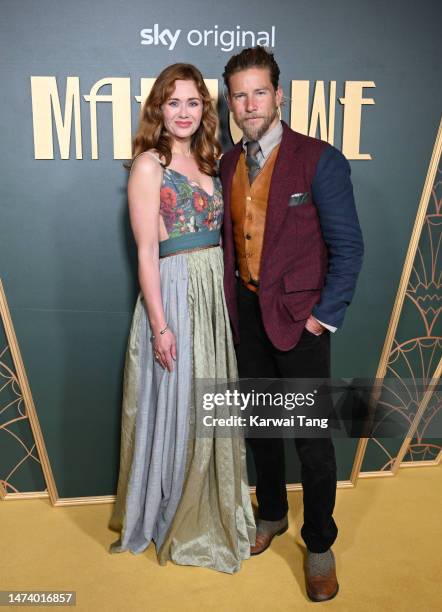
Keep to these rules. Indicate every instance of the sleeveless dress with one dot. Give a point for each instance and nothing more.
(187, 493)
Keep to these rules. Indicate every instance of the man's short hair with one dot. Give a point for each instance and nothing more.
(254, 57)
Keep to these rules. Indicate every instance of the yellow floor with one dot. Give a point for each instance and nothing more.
(388, 556)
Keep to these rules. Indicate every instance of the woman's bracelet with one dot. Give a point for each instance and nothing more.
(162, 331)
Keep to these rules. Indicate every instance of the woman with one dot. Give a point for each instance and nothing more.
(188, 493)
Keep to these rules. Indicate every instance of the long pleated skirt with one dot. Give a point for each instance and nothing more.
(187, 493)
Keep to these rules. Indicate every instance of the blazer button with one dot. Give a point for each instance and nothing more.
(248, 237)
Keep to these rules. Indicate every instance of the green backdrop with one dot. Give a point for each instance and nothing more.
(67, 256)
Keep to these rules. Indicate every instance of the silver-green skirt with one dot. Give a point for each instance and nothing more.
(187, 493)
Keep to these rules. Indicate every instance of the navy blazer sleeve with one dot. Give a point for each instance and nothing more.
(333, 194)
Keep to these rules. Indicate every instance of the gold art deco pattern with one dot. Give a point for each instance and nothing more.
(21, 470)
(411, 359)
(424, 293)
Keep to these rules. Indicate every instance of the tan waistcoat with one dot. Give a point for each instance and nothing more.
(248, 208)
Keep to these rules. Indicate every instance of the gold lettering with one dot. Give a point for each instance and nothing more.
(331, 112)
(146, 85)
(299, 106)
(300, 91)
(121, 115)
(235, 131)
(212, 86)
(46, 106)
(319, 112)
(45, 99)
(351, 131)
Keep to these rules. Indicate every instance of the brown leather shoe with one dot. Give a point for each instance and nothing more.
(265, 532)
(320, 575)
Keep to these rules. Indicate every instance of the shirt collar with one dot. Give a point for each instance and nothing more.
(269, 141)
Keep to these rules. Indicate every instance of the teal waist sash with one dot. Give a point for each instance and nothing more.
(191, 240)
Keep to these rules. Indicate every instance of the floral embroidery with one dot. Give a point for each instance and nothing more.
(187, 208)
(168, 205)
(168, 197)
(199, 201)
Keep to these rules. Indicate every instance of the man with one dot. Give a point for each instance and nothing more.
(292, 252)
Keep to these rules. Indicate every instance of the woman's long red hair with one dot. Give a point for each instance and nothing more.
(151, 133)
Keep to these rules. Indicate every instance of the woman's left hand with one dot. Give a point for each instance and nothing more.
(164, 348)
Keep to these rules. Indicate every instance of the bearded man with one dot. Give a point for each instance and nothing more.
(292, 253)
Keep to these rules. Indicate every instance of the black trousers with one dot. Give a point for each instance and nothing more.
(258, 358)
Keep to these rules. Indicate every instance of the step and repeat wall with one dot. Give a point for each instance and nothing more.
(364, 77)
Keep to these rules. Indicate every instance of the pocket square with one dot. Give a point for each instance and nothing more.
(299, 198)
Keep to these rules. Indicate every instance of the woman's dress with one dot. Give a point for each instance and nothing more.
(187, 492)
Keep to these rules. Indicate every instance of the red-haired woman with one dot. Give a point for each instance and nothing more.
(186, 491)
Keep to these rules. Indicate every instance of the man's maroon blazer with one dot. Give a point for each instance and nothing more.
(312, 246)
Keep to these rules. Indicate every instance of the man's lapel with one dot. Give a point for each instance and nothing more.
(228, 170)
(284, 171)
(228, 165)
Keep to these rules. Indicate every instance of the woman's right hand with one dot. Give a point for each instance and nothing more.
(164, 349)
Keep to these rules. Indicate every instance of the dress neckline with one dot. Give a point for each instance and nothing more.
(194, 182)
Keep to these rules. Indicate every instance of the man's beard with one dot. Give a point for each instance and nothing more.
(252, 132)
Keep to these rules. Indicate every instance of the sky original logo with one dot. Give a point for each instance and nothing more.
(155, 36)
(226, 40)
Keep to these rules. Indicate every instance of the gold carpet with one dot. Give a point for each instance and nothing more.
(388, 556)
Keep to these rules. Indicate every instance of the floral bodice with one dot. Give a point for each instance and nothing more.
(187, 208)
